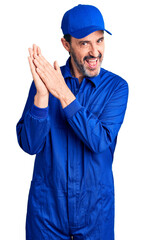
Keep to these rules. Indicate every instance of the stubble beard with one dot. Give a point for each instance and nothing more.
(82, 69)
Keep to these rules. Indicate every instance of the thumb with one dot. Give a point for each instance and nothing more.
(56, 66)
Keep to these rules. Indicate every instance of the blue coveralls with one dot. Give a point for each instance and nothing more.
(72, 188)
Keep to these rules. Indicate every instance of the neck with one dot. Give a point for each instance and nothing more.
(75, 73)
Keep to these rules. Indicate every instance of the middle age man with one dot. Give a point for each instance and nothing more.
(71, 121)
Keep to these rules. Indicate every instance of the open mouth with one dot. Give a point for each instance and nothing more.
(92, 63)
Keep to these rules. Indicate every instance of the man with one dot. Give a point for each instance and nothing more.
(71, 121)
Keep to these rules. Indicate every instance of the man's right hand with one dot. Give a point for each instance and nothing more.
(42, 95)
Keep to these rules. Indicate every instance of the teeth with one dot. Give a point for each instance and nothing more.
(92, 60)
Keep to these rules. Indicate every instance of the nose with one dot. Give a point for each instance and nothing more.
(94, 51)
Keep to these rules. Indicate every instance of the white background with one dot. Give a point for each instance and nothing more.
(26, 22)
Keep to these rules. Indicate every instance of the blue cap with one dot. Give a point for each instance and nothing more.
(82, 20)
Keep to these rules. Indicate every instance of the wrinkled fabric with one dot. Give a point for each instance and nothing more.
(72, 187)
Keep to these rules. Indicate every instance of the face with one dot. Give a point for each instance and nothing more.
(87, 54)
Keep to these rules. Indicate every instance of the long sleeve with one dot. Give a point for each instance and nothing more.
(98, 132)
(33, 126)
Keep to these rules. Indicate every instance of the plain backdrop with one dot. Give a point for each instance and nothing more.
(23, 23)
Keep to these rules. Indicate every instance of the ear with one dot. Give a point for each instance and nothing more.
(65, 44)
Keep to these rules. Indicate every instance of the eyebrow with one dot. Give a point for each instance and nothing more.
(87, 41)
(101, 38)
(84, 41)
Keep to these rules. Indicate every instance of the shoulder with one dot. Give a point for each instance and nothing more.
(113, 78)
(116, 84)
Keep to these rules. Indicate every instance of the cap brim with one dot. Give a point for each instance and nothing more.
(86, 31)
(107, 31)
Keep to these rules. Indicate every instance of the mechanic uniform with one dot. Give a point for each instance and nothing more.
(72, 188)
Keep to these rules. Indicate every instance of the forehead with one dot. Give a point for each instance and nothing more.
(93, 36)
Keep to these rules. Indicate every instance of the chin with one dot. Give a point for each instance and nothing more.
(92, 73)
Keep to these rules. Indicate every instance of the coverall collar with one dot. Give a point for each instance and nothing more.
(95, 80)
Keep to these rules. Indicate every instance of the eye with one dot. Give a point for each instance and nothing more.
(84, 43)
(100, 40)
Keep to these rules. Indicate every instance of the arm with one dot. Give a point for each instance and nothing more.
(98, 132)
(34, 124)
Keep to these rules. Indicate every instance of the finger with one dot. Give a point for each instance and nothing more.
(56, 67)
(46, 62)
(41, 61)
(30, 52)
(42, 75)
(35, 73)
(32, 67)
(39, 64)
(34, 50)
(38, 51)
(34, 53)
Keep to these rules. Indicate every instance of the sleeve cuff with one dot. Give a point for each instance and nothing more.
(39, 112)
(72, 108)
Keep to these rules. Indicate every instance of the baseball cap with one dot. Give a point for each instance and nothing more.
(82, 20)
